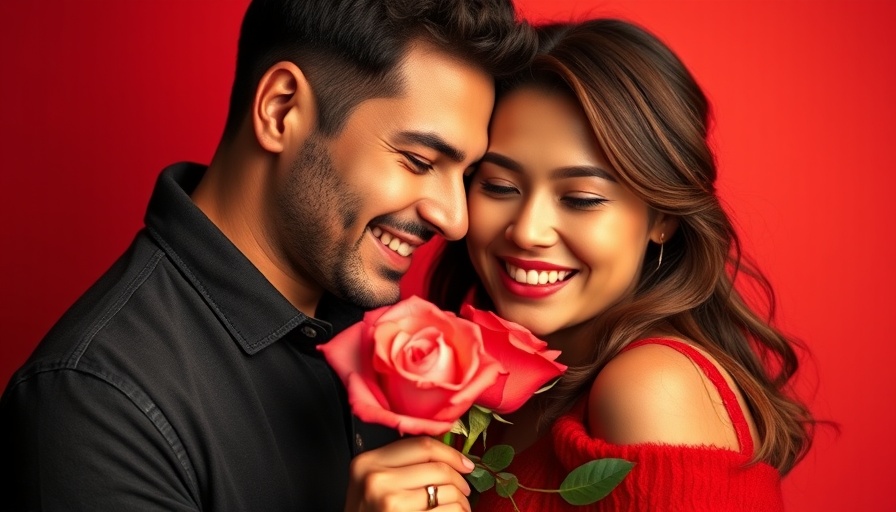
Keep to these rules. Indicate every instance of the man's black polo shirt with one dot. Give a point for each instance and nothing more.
(182, 380)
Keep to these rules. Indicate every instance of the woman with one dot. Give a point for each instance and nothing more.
(594, 222)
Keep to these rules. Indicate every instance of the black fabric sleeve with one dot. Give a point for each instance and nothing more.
(77, 440)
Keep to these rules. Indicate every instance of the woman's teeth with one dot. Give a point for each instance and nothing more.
(392, 242)
(534, 276)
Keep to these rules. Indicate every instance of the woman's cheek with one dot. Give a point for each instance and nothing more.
(488, 221)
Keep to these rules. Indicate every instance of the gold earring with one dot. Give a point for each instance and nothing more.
(662, 242)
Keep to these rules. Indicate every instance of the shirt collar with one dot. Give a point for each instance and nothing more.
(254, 312)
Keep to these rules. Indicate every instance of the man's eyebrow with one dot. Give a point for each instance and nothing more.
(573, 171)
(433, 141)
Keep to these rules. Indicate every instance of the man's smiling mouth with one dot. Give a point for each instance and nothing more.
(393, 242)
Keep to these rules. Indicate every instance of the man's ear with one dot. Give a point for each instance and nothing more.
(284, 111)
(664, 226)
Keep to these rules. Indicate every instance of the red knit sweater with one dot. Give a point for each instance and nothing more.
(665, 477)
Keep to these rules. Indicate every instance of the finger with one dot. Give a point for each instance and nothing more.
(416, 477)
(453, 507)
(449, 498)
(418, 450)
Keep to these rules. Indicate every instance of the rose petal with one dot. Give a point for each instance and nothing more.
(526, 358)
(492, 397)
(343, 352)
(412, 308)
(413, 367)
(426, 353)
(367, 409)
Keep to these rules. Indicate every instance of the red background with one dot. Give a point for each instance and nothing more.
(97, 96)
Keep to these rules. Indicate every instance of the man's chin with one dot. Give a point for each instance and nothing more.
(375, 295)
(386, 296)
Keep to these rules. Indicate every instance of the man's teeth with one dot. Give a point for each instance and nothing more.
(394, 243)
(535, 277)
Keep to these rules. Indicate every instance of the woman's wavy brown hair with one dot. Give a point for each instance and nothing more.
(651, 119)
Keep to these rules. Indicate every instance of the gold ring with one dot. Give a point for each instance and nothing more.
(432, 497)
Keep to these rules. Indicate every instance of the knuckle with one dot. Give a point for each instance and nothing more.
(360, 464)
(457, 495)
(445, 471)
(356, 470)
(389, 502)
(374, 482)
(427, 443)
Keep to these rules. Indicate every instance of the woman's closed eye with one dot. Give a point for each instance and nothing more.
(498, 188)
(584, 202)
(580, 201)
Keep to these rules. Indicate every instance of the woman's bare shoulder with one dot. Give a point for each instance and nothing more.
(655, 394)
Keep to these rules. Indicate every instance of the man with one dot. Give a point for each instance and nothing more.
(187, 377)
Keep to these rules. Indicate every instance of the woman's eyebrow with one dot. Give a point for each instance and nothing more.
(583, 171)
(503, 161)
(572, 171)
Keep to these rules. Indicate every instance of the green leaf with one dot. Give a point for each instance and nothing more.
(507, 485)
(479, 420)
(593, 480)
(481, 479)
(498, 457)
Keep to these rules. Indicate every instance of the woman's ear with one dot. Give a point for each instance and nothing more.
(664, 226)
(284, 110)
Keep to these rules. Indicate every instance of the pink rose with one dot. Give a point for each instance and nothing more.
(412, 366)
(527, 362)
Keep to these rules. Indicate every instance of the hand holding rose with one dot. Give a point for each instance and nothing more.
(394, 476)
(418, 369)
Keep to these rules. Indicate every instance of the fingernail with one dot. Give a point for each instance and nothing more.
(468, 463)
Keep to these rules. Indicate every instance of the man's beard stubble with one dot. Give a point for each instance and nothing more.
(316, 210)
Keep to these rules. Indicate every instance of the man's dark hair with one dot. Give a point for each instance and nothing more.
(349, 50)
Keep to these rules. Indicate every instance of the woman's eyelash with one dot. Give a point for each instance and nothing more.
(497, 189)
(579, 203)
(584, 203)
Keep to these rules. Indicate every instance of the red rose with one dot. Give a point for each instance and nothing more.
(527, 362)
(412, 366)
